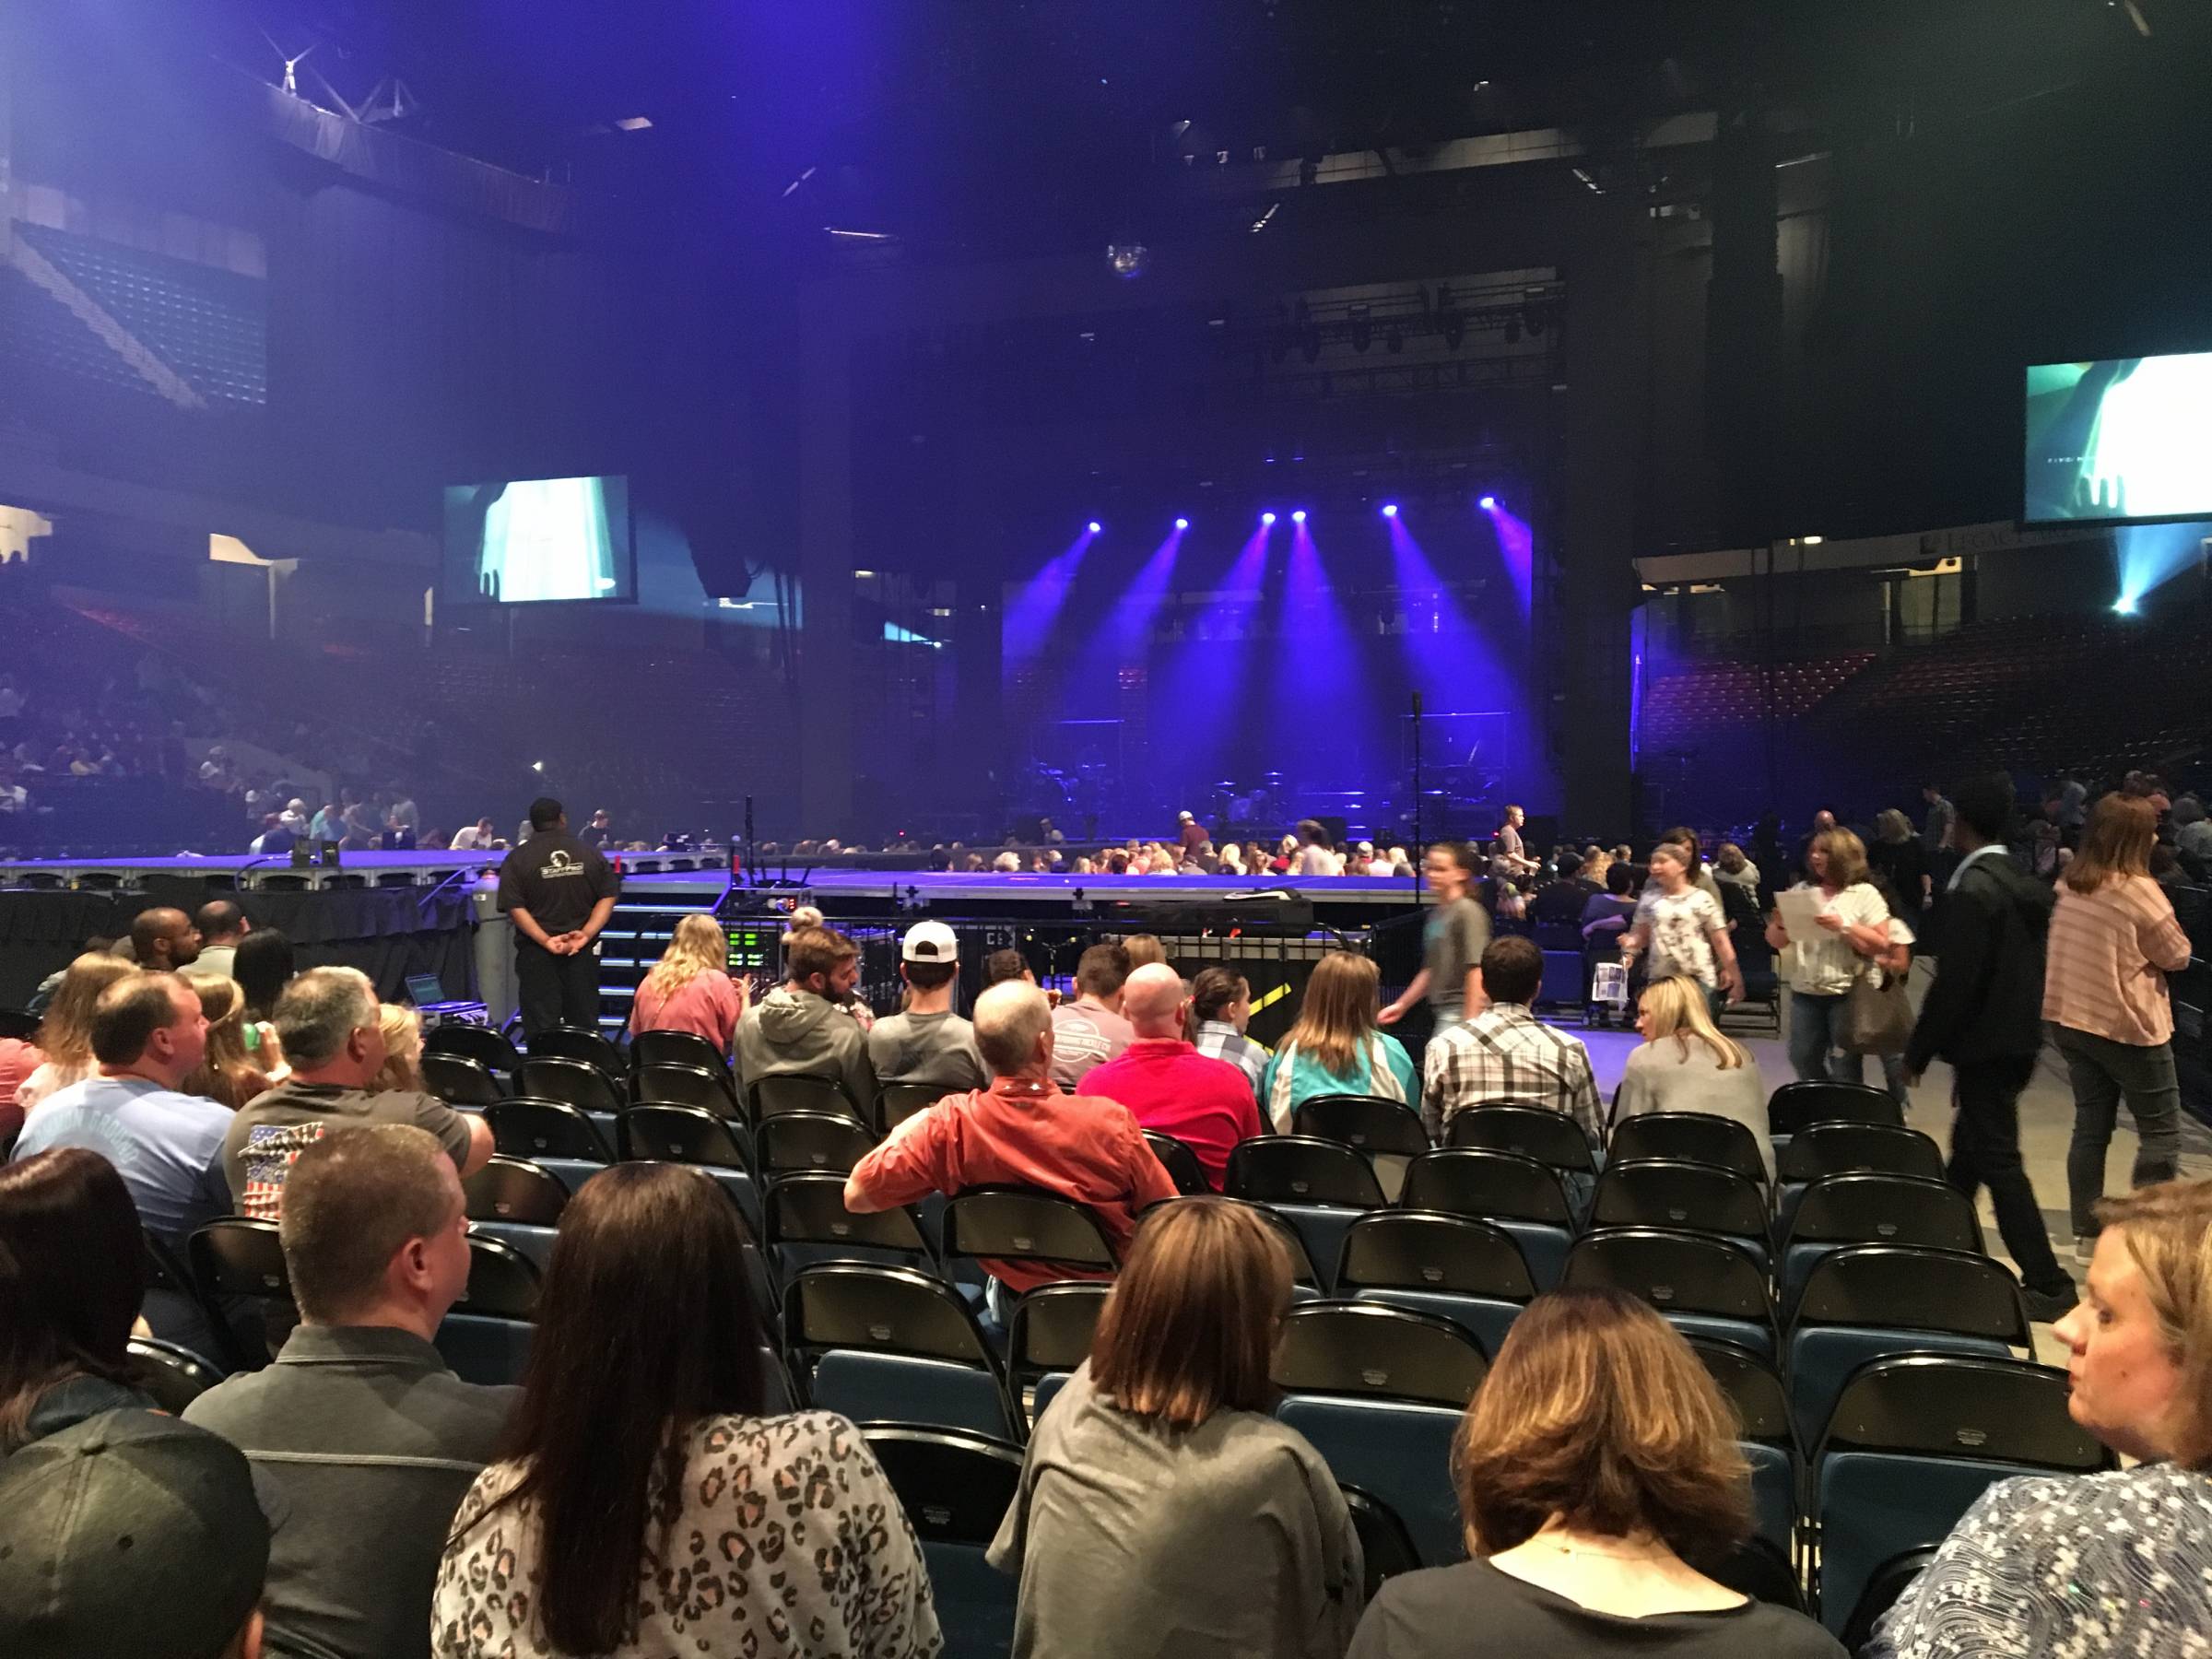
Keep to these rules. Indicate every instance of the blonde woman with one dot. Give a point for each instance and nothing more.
(1336, 1047)
(2113, 939)
(229, 1075)
(1162, 1456)
(690, 989)
(1685, 1065)
(65, 1033)
(402, 1069)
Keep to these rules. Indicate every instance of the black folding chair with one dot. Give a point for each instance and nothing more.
(800, 1091)
(1342, 1347)
(674, 1083)
(1549, 1137)
(1796, 1107)
(1704, 1286)
(1302, 1169)
(1366, 1123)
(1691, 1137)
(956, 1487)
(1049, 1331)
(514, 1190)
(531, 1128)
(811, 1140)
(675, 1048)
(460, 1081)
(1029, 1226)
(476, 1042)
(1181, 1163)
(688, 1135)
(1694, 1197)
(573, 1043)
(173, 1376)
(1386, 1548)
(578, 1082)
(895, 1103)
(807, 1223)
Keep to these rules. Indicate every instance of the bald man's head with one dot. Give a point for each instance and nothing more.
(1010, 1018)
(1152, 1001)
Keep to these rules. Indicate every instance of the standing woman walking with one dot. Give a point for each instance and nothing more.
(2114, 940)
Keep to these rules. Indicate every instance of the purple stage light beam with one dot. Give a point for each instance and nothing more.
(1033, 609)
(1517, 549)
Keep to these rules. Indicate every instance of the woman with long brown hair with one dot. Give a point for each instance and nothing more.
(228, 1074)
(1162, 1509)
(1858, 936)
(640, 1432)
(1596, 1464)
(2113, 939)
(65, 1033)
(1336, 1046)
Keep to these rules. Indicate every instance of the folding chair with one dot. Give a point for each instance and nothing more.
(1350, 1348)
(1048, 1336)
(1913, 1441)
(675, 1048)
(174, 1376)
(671, 1083)
(1687, 1198)
(1319, 1186)
(1847, 1149)
(811, 1140)
(459, 1080)
(895, 1103)
(1388, 1133)
(1767, 1438)
(1874, 1209)
(1305, 1278)
(1181, 1163)
(722, 1147)
(178, 1309)
(1525, 1198)
(1705, 1286)
(799, 1091)
(807, 1223)
(541, 1128)
(1868, 1301)
(1688, 1137)
(1466, 1271)
(573, 1043)
(517, 1202)
(890, 1345)
(485, 1337)
(476, 1042)
(1796, 1107)
(956, 1489)
(1029, 1226)
(1386, 1548)
(578, 1082)
(1550, 1137)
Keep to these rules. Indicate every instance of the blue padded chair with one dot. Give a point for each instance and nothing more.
(1458, 1268)
(1522, 1196)
(1766, 1438)
(1703, 1137)
(1048, 1334)
(956, 1489)
(1399, 1452)
(1868, 1301)
(1873, 1209)
(1914, 1443)
(1705, 1286)
(1388, 1133)
(689, 1135)
(1687, 1198)
(807, 1222)
(1320, 1187)
(485, 1337)
(891, 1345)
(1847, 1149)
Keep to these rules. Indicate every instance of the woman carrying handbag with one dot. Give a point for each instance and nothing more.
(1847, 995)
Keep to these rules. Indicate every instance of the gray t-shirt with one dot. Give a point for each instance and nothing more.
(1227, 1539)
(937, 1049)
(1453, 941)
(362, 1444)
(273, 1129)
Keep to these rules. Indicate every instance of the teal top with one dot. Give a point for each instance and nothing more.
(1385, 1069)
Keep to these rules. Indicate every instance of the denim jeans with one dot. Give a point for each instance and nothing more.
(1816, 1028)
(2103, 1074)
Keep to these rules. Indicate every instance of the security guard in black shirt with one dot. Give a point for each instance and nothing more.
(559, 893)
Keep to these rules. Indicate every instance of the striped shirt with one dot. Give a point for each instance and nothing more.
(2107, 958)
(1217, 1040)
(1506, 1053)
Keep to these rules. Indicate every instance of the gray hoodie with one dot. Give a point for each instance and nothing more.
(791, 1031)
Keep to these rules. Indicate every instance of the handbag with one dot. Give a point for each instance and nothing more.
(1877, 1019)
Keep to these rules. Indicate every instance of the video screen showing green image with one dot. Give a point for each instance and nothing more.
(530, 541)
(2123, 437)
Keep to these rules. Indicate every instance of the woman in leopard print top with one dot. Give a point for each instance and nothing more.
(645, 1508)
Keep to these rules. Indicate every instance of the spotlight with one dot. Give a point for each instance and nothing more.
(1266, 518)
(1390, 510)
(2124, 605)
(1183, 523)
(1093, 526)
(1299, 517)
(1487, 504)
(1127, 260)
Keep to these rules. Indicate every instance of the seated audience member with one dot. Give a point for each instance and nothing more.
(149, 1035)
(226, 1074)
(72, 1273)
(66, 1031)
(478, 837)
(1596, 1461)
(1334, 1047)
(1171, 1414)
(2113, 1563)
(1167, 1083)
(802, 1025)
(1091, 1031)
(1685, 1065)
(1220, 1010)
(1145, 949)
(402, 1069)
(1506, 1053)
(332, 1029)
(362, 1438)
(263, 966)
(19, 1060)
(1008, 964)
(690, 989)
(130, 1532)
(163, 940)
(1022, 1130)
(221, 925)
(927, 1041)
(621, 1480)
(1561, 901)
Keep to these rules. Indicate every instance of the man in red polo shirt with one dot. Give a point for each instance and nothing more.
(1171, 1088)
(1020, 1129)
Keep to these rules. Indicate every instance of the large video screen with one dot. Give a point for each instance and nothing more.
(530, 541)
(2125, 437)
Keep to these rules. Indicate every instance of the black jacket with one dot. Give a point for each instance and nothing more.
(1987, 1001)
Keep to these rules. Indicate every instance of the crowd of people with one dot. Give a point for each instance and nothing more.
(353, 1497)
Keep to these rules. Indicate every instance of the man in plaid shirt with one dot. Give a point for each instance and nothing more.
(1504, 1053)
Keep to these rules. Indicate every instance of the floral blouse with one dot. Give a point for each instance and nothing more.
(2117, 1564)
(791, 1543)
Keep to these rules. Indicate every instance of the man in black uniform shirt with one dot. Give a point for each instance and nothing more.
(559, 893)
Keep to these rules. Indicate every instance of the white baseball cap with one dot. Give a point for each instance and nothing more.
(1183, 816)
(930, 942)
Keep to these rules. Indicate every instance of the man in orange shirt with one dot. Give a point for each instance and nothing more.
(1022, 1131)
